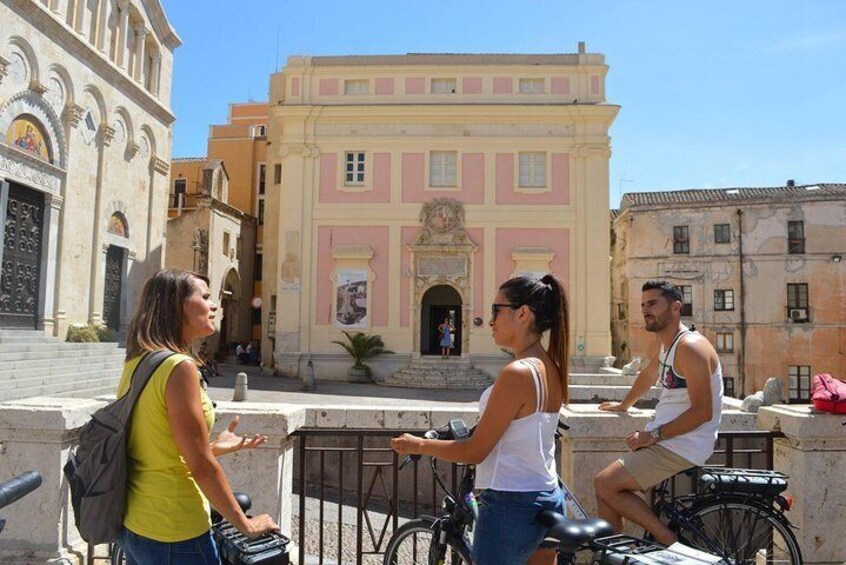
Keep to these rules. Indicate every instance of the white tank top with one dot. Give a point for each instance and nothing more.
(697, 445)
(523, 459)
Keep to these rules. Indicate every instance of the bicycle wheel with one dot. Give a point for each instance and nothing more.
(411, 542)
(749, 533)
(117, 555)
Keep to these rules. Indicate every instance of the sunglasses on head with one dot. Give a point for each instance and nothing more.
(495, 308)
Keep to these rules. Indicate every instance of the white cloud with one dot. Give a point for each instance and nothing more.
(807, 42)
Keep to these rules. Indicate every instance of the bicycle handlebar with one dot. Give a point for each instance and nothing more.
(431, 434)
(18, 487)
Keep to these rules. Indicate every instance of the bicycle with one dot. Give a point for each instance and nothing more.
(234, 547)
(445, 540)
(738, 514)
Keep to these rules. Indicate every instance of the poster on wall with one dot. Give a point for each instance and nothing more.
(351, 299)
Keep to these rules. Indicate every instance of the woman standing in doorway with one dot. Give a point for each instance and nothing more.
(173, 471)
(446, 329)
(513, 446)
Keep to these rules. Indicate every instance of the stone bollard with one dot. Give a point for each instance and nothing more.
(240, 392)
(308, 377)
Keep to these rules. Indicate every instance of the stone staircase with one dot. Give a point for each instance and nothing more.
(35, 364)
(434, 372)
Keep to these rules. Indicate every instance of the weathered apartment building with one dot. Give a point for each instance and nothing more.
(762, 271)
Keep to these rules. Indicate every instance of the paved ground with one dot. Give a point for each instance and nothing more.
(268, 388)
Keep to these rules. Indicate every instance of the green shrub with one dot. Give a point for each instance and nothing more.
(107, 334)
(82, 334)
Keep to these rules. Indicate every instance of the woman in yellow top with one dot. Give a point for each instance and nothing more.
(173, 470)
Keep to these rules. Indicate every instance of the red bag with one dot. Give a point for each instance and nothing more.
(828, 394)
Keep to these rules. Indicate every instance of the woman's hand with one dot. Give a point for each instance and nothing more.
(258, 525)
(407, 444)
(228, 442)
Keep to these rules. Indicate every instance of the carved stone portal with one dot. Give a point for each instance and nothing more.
(442, 254)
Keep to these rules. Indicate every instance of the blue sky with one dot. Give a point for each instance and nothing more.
(712, 94)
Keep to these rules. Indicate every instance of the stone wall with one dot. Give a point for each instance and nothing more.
(37, 433)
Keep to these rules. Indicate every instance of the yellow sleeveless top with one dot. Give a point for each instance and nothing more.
(164, 502)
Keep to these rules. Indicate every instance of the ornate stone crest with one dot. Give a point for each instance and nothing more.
(443, 223)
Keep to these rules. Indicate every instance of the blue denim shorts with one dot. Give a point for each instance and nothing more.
(506, 531)
(145, 551)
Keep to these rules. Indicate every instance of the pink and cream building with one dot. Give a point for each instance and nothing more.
(406, 188)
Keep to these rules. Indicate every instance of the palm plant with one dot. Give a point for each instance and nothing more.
(362, 347)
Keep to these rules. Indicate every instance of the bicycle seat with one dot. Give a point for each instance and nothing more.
(572, 534)
(742, 481)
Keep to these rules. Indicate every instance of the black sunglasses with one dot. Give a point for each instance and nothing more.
(495, 309)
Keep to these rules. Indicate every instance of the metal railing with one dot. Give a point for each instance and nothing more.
(338, 470)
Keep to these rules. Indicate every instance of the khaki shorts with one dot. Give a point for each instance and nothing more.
(651, 465)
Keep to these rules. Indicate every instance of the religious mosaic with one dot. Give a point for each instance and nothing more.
(27, 135)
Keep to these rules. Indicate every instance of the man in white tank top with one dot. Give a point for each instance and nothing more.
(684, 429)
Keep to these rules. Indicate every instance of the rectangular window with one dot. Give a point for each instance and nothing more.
(723, 300)
(238, 248)
(797, 295)
(531, 85)
(443, 86)
(799, 383)
(687, 300)
(260, 130)
(179, 188)
(277, 173)
(354, 168)
(533, 169)
(443, 168)
(356, 87)
(226, 243)
(798, 309)
(681, 239)
(262, 180)
(259, 260)
(725, 342)
(795, 237)
(728, 386)
(722, 233)
(261, 212)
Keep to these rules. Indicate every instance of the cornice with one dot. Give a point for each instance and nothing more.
(161, 24)
(76, 46)
(504, 112)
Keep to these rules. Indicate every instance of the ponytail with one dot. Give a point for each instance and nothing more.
(559, 332)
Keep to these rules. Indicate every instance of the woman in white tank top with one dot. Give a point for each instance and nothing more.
(513, 445)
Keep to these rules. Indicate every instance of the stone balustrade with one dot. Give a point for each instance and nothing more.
(37, 433)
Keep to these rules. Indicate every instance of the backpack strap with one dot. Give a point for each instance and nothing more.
(140, 377)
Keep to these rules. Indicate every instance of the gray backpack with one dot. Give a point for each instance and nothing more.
(97, 470)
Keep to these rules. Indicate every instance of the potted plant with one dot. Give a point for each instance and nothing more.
(362, 347)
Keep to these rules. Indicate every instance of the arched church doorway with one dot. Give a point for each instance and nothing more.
(439, 303)
(229, 304)
(113, 288)
(20, 282)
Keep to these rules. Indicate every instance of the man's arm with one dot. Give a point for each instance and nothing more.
(696, 360)
(645, 379)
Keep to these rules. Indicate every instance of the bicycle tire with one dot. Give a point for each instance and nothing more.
(742, 528)
(410, 543)
(117, 555)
